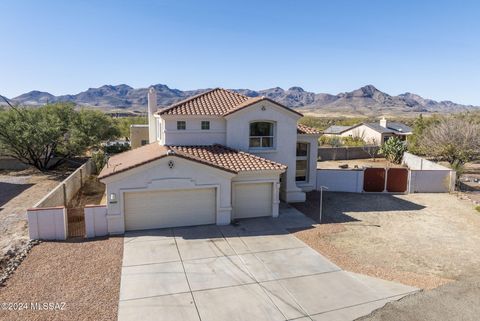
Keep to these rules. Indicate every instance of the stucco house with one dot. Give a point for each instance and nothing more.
(212, 158)
(138, 135)
(371, 133)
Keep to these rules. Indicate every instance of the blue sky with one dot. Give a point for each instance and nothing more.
(427, 47)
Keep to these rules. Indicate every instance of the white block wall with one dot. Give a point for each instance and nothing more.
(340, 180)
(49, 223)
(96, 220)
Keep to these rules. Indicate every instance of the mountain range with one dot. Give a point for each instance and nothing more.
(367, 100)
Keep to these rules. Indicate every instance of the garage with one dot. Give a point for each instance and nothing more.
(252, 200)
(169, 208)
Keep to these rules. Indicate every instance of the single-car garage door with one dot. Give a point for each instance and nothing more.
(252, 200)
(159, 209)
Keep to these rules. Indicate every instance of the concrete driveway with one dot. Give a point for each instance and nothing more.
(254, 270)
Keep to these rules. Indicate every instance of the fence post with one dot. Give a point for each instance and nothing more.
(64, 188)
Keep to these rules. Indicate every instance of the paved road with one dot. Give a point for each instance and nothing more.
(455, 301)
(252, 271)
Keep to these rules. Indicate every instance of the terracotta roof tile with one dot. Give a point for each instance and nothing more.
(218, 156)
(305, 130)
(216, 102)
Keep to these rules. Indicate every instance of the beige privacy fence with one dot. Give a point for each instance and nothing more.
(47, 220)
(423, 176)
(427, 176)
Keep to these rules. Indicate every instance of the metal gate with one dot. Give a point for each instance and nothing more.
(374, 180)
(397, 180)
(392, 180)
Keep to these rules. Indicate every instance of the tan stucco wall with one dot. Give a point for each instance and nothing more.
(369, 135)
(137, 134)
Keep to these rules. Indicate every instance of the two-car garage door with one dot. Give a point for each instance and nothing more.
(188, 207)
(160, 209)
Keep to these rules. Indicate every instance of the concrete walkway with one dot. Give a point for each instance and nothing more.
(255, 270)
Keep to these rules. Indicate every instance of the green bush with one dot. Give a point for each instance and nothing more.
(353, 141)
(116, 148)
(99, 158)
(477, 208)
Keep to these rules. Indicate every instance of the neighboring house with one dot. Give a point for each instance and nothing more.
(371, 133)
(138, 135)
(213, 158)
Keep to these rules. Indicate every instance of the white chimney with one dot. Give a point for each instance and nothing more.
(152, 108)
(383, 122)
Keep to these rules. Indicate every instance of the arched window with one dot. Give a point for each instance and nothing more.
(261, 134)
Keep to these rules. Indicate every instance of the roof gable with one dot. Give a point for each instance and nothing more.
(255, 100)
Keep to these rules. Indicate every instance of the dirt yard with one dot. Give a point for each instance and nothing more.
(424, 240)
(82, 277)
(20, 190)
(359, 163)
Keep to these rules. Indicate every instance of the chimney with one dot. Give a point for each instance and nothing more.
(383, 122)
(151, 109)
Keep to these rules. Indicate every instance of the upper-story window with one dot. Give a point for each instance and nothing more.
(181, 125)
(261, 134)
(205, 125)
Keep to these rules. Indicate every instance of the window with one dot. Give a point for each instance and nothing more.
(261, 135)
(301, 172)
(144, 142)
(181, 125)
(205, 125)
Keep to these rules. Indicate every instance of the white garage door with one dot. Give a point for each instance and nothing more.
(159, 209)
(252, 200)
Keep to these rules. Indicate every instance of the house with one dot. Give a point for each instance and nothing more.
(138, 135)
(371, 133)
(211, 159)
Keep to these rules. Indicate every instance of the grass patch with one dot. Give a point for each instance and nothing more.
(478, 208)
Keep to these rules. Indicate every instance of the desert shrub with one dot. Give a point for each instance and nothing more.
(393, 150)
(99, 158)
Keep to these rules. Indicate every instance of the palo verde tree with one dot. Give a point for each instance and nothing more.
(45, 137)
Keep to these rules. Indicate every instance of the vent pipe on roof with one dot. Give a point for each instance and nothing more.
(383, 122)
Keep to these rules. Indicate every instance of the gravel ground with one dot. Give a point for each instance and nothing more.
(366, 162)
(423, 240)
(83, 274)
(20, 190)
(454, 301)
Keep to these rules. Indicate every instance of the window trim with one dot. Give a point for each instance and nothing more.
(272, 137)
(181, 122)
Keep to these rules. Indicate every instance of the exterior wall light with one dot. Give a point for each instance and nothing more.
(113, 198)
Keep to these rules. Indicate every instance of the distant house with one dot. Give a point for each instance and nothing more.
(371, 133)
(138, 135)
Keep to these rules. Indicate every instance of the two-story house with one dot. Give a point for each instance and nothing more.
(212, 158)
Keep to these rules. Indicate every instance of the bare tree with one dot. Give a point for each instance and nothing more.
(371, 148)
(454, 139)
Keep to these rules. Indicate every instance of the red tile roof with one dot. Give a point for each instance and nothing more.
(305, 130)
(218, 156)
(216, 102)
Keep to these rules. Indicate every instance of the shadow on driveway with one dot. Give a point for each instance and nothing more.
(336, 205)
